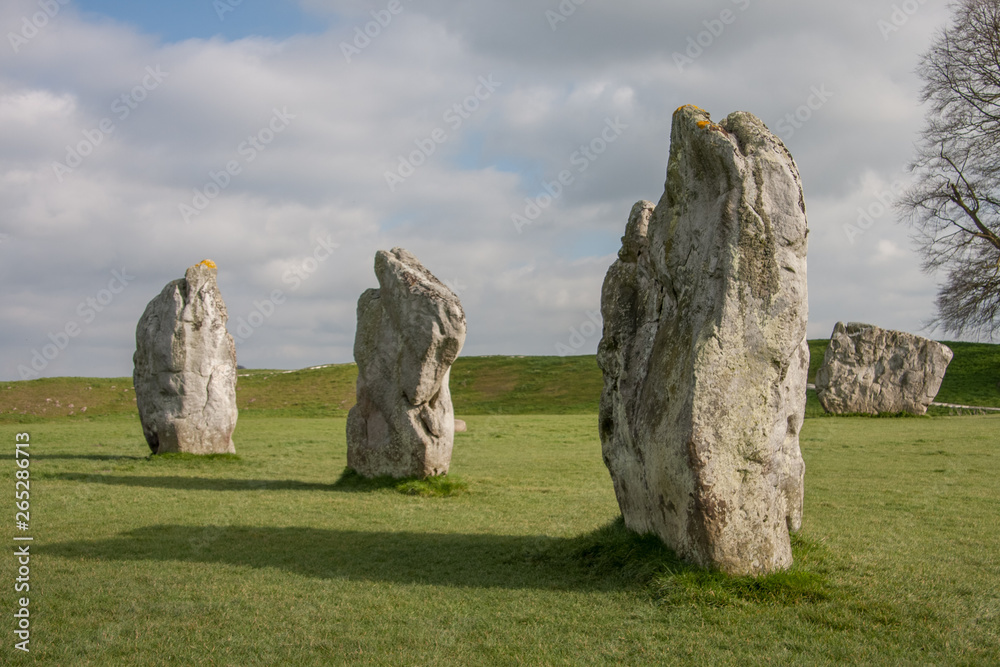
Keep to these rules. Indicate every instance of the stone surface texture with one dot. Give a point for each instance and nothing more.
(704, 350)
(871, 370)
(410, 331)
(185, 367)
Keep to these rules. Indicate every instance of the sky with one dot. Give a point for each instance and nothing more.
(290, 140)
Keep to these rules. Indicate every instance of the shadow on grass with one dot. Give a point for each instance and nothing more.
(611, 558)
(86, 457)
(349, 482)
(191, 483)
(152, 458)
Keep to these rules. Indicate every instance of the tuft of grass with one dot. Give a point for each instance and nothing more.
(439, 486)
(704, 588)
(617, 554)
(804, 582)
(171, 457)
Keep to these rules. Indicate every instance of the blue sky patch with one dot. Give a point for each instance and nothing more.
(203, 19)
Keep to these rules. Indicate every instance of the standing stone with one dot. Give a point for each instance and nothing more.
(185, 367)
(871, 370)
(410, 331)
(704, 350)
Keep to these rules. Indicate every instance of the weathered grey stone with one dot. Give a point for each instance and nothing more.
(461, 426)
(185, 367)
(871, 370)
(410, 331)
(704, 350)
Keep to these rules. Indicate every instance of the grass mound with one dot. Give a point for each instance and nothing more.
(487, 385)
(621, 556)
(804, 582)
(439, 486)
(973, 376)
(169, 457)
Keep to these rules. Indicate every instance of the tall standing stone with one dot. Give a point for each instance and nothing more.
(867, 369)
(410, 331)
(704, 350)
(185, 367)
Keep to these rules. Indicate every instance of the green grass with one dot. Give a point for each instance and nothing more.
(973, 376)
(269, 557)
(616, 553)
(526, 385)
(479, 386)
(817, 348)
(439, 486)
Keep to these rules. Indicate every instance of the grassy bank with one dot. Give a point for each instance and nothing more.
(479, 385)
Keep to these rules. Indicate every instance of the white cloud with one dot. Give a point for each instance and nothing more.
(324, 174)
(32, 107)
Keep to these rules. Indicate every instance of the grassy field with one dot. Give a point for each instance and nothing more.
(265, 558)
(274, 556)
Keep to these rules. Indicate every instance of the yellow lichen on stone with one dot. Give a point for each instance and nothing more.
(207, 262)
(686, 106)
(702, 124)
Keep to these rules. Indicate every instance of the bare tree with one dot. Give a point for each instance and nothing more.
(954, 204)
